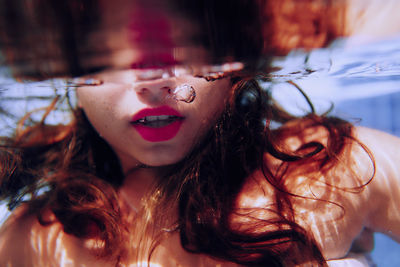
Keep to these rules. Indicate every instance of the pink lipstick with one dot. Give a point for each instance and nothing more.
(157, 124)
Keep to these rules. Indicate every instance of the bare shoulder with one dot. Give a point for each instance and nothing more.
(25, 242)
(384, 213)
(384, 151)
(16, 236)
(369, 135)
(361, 190)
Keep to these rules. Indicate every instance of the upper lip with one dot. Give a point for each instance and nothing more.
(159, 111)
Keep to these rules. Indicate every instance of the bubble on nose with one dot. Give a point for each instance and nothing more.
(185, 93)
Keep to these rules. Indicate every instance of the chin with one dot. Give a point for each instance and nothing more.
(161, 160)
(164, 155)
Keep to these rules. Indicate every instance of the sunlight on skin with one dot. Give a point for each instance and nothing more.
(64, 260)
(388, 183)
(373, 206)
(325, 219)
(49, 246)
(41, 246)
(144, 264)
(385, 197)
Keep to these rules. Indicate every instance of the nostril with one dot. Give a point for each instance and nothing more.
(142, 90)
(167, 89)
(155, 93)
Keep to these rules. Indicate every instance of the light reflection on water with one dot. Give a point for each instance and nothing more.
(362, 82)
(342, 73)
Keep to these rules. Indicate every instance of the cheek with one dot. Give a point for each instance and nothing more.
(89, 98)
(101, 99)
(213, 100)
(98, 105)
(208, 105)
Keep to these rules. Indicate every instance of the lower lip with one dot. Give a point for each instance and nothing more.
(159, 134)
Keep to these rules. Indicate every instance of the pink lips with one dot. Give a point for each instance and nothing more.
(157, 134)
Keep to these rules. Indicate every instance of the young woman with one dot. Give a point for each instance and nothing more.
(171, 159)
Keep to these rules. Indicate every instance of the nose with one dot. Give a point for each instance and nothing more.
(154, 92)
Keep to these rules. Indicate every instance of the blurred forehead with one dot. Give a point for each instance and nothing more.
(151, 32)
(41, 39)
(72, 38)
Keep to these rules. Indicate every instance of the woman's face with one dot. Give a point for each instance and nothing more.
(135, 109)
(144, 123)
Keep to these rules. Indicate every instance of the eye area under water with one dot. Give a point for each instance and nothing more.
(143, 73)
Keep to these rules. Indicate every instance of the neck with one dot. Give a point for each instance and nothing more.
(137, 185)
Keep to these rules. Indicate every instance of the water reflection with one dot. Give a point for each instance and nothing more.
(340, 73)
